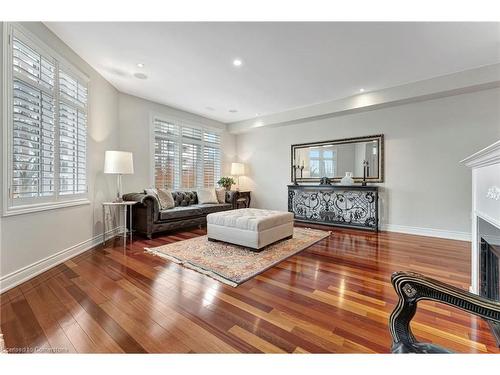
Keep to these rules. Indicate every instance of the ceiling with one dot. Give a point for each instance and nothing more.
(285, 65)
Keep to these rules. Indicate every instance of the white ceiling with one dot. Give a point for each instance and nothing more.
(285, 65)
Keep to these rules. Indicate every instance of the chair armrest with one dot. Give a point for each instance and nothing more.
(231, 197)
(412, 287)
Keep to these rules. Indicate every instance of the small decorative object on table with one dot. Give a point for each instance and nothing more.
(296, 167)
(365, 172)
(347, 179)
(325, 181)
(226, 182)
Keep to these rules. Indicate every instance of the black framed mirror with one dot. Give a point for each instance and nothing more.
(333, 159)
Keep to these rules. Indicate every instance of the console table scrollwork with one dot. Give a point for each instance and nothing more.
(347, 206)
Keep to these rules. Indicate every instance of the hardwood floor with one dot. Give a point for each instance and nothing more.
(333, 297)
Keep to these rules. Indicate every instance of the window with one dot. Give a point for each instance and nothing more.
(322, 162)
(185, 157)
(46, 108)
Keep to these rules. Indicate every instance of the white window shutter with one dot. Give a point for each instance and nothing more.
(33, 133)
(186, 157)
(72, 135)
(48, 128)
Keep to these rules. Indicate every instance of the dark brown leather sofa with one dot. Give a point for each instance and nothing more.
(148, 218)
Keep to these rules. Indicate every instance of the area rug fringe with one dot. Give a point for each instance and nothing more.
(222, 279)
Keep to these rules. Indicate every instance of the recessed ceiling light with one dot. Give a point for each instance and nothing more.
(257, 114)
(140, 65)
(237, 62)
(361, 90)
(140, 76)
(233, 110)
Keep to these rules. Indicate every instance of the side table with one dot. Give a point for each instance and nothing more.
(243, 199)
(123, 206)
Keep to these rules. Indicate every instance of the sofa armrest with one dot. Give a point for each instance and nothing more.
(146, 200)
(231, 197)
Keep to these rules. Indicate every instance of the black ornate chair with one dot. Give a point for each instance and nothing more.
(413, 287)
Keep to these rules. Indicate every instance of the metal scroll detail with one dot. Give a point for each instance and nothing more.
(350, 207)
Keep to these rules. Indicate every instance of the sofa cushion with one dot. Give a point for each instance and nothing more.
(221, 195)
(185, 198)
(208, 208)
(180, 212)
(166, 199)
(207, 196)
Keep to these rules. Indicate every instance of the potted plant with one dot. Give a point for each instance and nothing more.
(226, 182)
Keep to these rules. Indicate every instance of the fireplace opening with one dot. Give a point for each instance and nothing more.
(489, 267)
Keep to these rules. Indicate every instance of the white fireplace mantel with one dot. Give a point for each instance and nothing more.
(485, 166)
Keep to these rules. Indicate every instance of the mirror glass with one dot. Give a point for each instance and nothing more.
(334, 158)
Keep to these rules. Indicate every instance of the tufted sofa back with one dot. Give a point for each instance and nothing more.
(185, 198)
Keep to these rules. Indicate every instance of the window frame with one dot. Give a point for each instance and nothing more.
(178, 139)
(321, 161)
(10, 205)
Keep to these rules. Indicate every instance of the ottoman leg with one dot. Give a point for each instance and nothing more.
(212, 239)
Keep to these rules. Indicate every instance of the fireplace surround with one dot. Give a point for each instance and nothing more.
(489, 267)
(485, 264)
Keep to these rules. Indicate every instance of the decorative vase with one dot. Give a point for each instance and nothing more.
(228, 188)
(347, 179)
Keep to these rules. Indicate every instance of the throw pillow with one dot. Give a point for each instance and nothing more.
(166, 199)
(221, 195)
(207, 196)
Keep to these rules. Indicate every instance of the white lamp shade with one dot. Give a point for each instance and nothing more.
(237, 169)
(118, 162)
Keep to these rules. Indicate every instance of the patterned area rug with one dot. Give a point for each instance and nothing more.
(233, 264)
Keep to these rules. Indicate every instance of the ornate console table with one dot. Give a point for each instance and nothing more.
(346, 206)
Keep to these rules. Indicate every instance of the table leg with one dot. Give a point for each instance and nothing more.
(103, 225)
(124, 225)
(130, 222)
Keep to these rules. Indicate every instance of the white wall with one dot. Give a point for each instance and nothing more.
(135, 120)
(425, 186)
(30, 238)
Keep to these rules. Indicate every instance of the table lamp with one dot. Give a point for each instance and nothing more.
(238, 169)
(118, 162)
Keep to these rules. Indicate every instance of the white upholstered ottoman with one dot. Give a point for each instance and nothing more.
(250, 227)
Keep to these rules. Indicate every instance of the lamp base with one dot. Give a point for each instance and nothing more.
(118, 198)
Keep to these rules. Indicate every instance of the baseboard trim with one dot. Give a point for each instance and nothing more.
(430, 232)
(22, 275)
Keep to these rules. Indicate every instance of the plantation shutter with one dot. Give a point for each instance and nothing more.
(191, 165)
(166, 155)
(46, 128)
(33, 133)
(72, 134)
(211, 158)
(185, 157)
